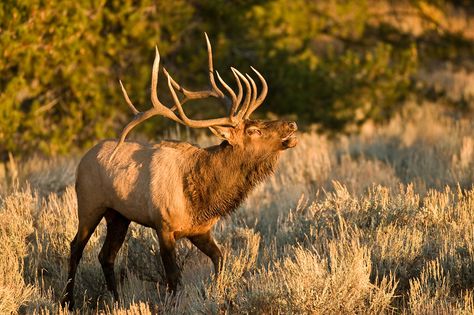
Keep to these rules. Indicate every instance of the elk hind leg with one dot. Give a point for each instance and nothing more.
(206, 243)
(117, 227)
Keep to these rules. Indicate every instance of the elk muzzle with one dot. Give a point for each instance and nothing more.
(289, 140)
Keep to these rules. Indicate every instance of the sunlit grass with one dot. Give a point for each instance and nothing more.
(378, 222)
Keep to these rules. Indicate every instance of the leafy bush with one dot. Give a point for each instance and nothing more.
(338, 63)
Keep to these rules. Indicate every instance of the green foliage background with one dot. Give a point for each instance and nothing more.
(336, 63)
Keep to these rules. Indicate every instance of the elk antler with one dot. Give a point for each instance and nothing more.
(236, 114)
(257, 102)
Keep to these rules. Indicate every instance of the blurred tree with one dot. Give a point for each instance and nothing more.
(338, 63)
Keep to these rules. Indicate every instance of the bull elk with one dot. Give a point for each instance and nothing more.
(176, 188)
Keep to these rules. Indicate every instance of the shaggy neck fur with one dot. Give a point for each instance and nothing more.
(222, 177)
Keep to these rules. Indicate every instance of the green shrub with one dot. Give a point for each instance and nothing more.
(337, 63)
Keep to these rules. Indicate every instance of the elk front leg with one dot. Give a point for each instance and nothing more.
(87, 225)
(168, 257)
(206, 243)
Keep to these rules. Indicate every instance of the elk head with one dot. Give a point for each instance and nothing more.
(237, 128)
(258, 135)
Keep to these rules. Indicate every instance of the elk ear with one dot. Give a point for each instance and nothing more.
(224, 133)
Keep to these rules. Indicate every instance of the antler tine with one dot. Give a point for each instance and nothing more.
(231, 92)
(211, 67)
(240, 95)
(260, 98)
(127, 99)
(235, 99)
(254, 90)
(245, 105)
(154, 79)
(226, 121)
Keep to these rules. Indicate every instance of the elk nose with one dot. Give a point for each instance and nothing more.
(293, 126)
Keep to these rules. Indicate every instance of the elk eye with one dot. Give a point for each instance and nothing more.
(254, 131)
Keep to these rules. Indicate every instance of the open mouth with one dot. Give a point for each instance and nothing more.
(290, 140)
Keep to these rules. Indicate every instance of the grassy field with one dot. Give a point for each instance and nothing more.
(379, 222)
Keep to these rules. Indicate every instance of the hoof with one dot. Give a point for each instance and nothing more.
(66, 301)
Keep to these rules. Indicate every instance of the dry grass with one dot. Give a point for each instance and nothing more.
(379, 222)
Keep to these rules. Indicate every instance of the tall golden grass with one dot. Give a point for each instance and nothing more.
(379, 222)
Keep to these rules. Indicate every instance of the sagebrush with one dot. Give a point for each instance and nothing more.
(379, 222)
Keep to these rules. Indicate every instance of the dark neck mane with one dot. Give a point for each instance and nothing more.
(221, 179)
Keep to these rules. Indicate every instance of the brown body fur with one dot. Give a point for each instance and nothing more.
(156, 186)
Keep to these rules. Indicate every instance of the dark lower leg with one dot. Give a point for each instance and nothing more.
(117, 226)
(68, 295)
(168, 257)
(77, 247)
(208, 246)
